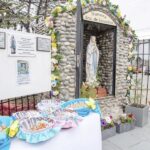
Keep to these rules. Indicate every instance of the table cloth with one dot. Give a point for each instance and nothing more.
(87, 136)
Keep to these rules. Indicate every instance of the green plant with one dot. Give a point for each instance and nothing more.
(88, 91)
(126, 118)
(136, 97)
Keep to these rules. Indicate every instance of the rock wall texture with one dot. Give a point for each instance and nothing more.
(66, 25)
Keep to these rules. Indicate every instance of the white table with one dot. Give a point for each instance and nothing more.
(87, 136)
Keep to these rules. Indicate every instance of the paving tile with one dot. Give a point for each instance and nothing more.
(109, 146)
(125, 140)
(144, 145)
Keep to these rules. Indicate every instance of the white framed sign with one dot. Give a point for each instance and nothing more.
(22, 75)
(2, 40)
(98, 17)
(21, 44)
(43, 44)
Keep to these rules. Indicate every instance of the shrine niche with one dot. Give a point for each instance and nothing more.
(73, 38)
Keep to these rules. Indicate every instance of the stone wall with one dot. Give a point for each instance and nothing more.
(66, 25)
(106, 46)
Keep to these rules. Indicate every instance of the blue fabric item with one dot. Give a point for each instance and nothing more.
(36, 137)
(83, 111)
(6, 120)
(4, 140)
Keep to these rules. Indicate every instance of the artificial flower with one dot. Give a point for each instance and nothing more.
(91, 103)
(103, 122)
(54, 50)
(69, 7)
(54, 83)
(55, 93)
(58, 9)
(104, 2)
(119, 13)
(53, 36)
(130, 68)
(54, 45)
(123, 116)
(130, 45)
(54, 61)
(53, 77)
(128, 78)
(99, 1)
(108, 119)
(52, 67)
(130, 55)
(83, 3)
(49, 22)
(14, 128)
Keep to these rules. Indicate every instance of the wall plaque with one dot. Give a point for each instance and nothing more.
(2, 40)
(99, 17)
(43, 44)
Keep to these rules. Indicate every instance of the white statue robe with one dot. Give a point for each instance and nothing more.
(92, 60)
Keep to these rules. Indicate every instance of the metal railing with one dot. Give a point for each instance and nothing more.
(141, 73)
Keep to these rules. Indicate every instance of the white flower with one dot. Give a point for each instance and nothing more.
(124, 116)
(52, 67)
(130, 55)
(108, 119)
(54, 61)
(54, 50)
(128, 78)
(131, 46)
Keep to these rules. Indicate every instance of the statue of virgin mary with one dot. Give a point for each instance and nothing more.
(92, 60)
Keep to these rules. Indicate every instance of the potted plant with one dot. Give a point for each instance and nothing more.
(126, 122)
(88, 91)
(108, 127)
(139, 110)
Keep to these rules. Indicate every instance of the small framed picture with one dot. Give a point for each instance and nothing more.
(2, 40)
(43, 44)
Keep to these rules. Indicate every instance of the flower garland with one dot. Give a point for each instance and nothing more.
(70, 6)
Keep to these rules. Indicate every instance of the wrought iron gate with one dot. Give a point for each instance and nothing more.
(141, 73)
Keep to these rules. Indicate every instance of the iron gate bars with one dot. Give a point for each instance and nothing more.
(141, 72)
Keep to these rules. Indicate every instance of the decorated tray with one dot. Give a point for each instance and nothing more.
(66, 118)
(35, 130)
(82, 106)
(36, 124)
(46, 107)
(26, 114)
